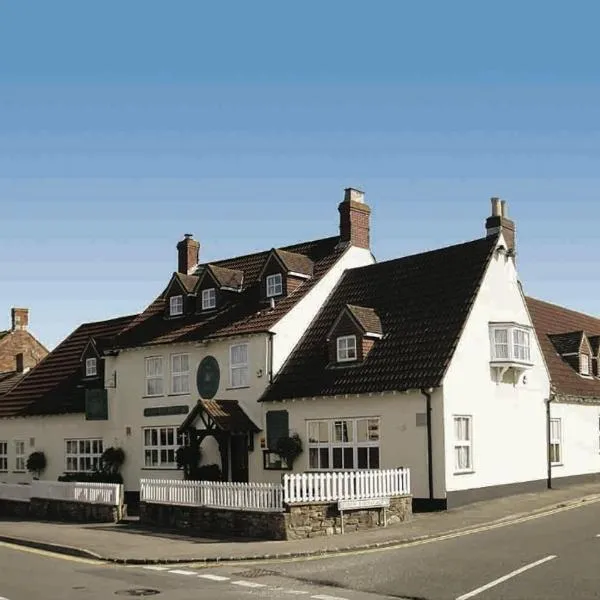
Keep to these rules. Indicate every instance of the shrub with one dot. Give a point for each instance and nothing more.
(289, 448)
(93, 477)
(36, 463)
(208, 473)
(112, 460)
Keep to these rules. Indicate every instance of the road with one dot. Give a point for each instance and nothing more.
(552, 557)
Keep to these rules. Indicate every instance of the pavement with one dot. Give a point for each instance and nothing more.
(128, 543)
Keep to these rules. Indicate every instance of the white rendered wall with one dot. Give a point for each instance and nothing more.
(509, 422)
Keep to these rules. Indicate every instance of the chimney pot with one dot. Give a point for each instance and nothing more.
(353, 195)
(500, 223)
(355, 217)
(19, 319)
(496, 207)
(188, 254)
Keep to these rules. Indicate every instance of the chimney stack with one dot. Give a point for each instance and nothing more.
(500, 223)
(20, 360)
(19, 319)
(355, 219)
(188, 252)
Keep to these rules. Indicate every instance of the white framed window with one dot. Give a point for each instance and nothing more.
(180, 373)
(209, 298)
(510, 343)
(343, 443)
(584, 364)
(463, 444)
(346, 348)
(91, 367)
(274, 285)
(555, 441)
(160, 447)
(175, 305)
(20, 463)
(154, 376)
(83, 455)
(238, 365)
(3, 455)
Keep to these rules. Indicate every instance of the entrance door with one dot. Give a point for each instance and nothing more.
(239, 458)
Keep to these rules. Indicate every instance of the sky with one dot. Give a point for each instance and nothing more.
(124, 125)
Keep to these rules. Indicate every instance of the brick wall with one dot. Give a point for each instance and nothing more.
(60, 510)
(16, 342)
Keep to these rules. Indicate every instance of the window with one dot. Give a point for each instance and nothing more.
(209, 298)
(83, 455)
(176, 305)
(160, 446)
(346, 348)
(238, 360)
(555, 442)
(510, 343)
(274, 285)
(343, 444)
(19, 455)
(3, 456)
(180, 373)
(463, 444)
(584, 364)
(91, 368)
(154, 376)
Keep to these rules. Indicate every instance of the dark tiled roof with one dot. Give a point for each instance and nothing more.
(3, 333)
(594, 341)
(188, 281)
(422, 301)
(567, 343)
(245, 313)
(550, 320)
(231, 278)
(8, 381)
(367, 318)
(228, 415)
(298, 263)
(52, 386)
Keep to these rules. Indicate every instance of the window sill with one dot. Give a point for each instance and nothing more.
(154, 396)
(239, 387)
(160, 469)
(559, 464)
(465, 472)
(178, 394)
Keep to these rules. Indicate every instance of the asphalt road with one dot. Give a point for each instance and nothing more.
(552, 557)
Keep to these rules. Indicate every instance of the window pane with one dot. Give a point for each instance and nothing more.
(323, 431)
(324, 458)
(337, 458)
(363, 458)
(373, 458)
(348, 458)
(362, 430)
(313, 458)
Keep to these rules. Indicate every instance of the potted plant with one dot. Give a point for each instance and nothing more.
(36, 463)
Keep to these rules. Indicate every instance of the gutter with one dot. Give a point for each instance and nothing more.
(427, 393)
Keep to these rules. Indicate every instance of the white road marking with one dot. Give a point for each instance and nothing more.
(156, 568)
(248, 584)
(494, 583)
(214, 577)
(294, 592)
(182, 572)
(326, 597)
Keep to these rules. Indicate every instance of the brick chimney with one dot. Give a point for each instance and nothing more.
(19, 318)
(20, 362)
(499, 222)
(354, 219)
(188, 252)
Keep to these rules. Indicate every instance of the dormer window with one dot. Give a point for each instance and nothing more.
(346, 348)
(209, 298)
(91, 367)
(274, 285)
(176, 306)
(584, 364)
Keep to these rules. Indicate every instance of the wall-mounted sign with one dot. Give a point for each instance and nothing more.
(161, 411)
(96, 405)
(208, 377)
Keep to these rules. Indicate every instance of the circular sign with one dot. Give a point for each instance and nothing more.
(207, 377)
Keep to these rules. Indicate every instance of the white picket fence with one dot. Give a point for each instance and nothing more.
(345, 485)
(296, 489)
(15, 491)
(92, 493)
(213, 494)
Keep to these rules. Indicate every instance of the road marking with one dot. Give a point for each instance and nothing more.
(182, 572)
(249, 584)
(510, 575)
(326, 597)
(214, 577)
(156, 568)
(19, 548)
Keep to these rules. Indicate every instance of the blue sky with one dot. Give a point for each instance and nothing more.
(124, 125)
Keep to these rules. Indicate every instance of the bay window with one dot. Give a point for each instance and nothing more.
(510, 343)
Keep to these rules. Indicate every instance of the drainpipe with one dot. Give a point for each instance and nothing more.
(427, 393)
(548, 434)
(270, 356)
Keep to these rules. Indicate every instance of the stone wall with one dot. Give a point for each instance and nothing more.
(61, 510)
(299, 521)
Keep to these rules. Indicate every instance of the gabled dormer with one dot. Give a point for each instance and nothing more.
(92, 365)
(179, 295)
(283, 272)
(215, 283)
(353, 334)
(575, 348)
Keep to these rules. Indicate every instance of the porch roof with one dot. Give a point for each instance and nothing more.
(226, 415)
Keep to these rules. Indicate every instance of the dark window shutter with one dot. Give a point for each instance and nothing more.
(277, 426)
(96, 405)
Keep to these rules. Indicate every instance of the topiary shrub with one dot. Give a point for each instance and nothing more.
(289, 448)
(36, 463)
(112, 460)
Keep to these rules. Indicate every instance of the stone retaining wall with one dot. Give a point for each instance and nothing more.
(44, 509)
(297, 522)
